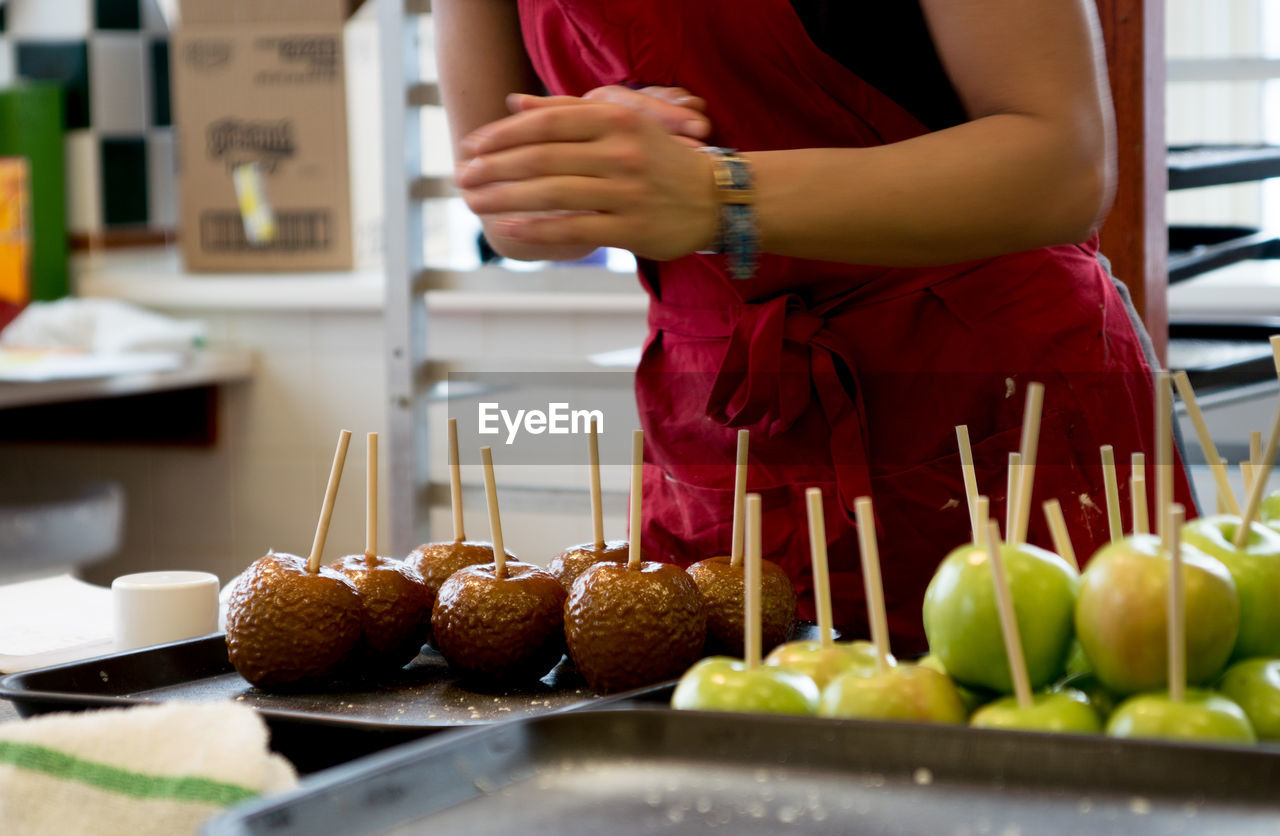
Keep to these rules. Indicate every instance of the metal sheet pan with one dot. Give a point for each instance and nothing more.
(649, 770)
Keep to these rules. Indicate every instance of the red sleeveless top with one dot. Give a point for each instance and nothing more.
(851, 378)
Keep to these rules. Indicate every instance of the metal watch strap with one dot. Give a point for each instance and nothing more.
(738, 235)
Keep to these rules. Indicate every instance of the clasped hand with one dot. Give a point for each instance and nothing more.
(614, 168)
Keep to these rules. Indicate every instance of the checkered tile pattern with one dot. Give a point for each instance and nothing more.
(112, 58)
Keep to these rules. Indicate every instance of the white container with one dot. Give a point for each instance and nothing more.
(160, 607)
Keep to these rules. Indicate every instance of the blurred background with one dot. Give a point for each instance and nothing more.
(271, 181)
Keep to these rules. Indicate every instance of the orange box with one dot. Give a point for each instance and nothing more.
(15, 231)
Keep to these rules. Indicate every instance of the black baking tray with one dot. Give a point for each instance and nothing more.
(648, 770)
(316, 729)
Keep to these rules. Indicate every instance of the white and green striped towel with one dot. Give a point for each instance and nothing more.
(161, 769)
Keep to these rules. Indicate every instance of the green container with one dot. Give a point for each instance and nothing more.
(31, 126)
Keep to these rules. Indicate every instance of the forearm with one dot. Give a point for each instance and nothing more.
(999, 184)
(481, 59)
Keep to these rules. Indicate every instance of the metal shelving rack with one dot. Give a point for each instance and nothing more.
(404, 94)
(411, 195)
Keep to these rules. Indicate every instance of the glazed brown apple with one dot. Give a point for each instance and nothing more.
(630, 627)
(722, 587)
(437, 561)
(288, 627)
(500, 630)
(573, 561)
(396, 608)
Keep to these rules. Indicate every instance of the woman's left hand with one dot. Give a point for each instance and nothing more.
(590, 173)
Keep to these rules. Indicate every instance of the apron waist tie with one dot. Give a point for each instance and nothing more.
(777, 354)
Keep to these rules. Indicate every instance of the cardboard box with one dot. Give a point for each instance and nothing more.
(271, 176)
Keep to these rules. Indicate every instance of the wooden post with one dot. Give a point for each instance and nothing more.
(1135, 235)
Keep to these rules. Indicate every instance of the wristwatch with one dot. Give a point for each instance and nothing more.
(738, 236)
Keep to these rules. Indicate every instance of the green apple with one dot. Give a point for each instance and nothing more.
(1102, 700)
(1120, 615)
(973, 698)
(1203, 715)
(1066, 710)
(963, 627)
(823, 664)
(1269, 511)
(1256, 571)
(904, 692)
(720, 683)
(1254, 685)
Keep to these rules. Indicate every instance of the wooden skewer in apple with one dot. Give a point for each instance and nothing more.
(1216, 465)
(573, 561)
(902, 692)
(396, 599)
(960, 618)
(1138, 493)
(720, 580)
(826, 658)
(970, 476)
(722, 683)
(1114, 524)
(436, 561)
(1250, 550)
(499, 622)
(1058, 711)
(1128, 578)
(284, 589)
(1178, 712)
(638, 623)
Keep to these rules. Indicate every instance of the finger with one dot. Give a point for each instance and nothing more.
(677, 96)
(519, 102)
(578, 229)
(545, 194)
(584, 159)
(674, 119)
(573, 123)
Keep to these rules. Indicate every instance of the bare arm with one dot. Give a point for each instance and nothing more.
(482, 60)
(1033, 167)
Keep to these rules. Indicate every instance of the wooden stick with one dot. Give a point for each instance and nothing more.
(1261, 474)
(872, 585)
(1216, 465)
(983, 505)
(455, 483)
(1030, 443)
(1058, 529)
(330, 494)
(739, 498)
(1246, 477)
(495, 520)
(1177, 608)
(821, 572)
(1008, 621)
(637, 485)
(371, 498)
(970, 480)
(1164, 450)
(1255, 447)
(1011, 491)
(751, 610)
(597, 505)
(1138, 493)
(1114, 524)
(1138, 499)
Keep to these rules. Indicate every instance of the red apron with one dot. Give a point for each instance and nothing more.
(850, 378)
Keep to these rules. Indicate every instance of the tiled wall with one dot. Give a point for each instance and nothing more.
(112, 56)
